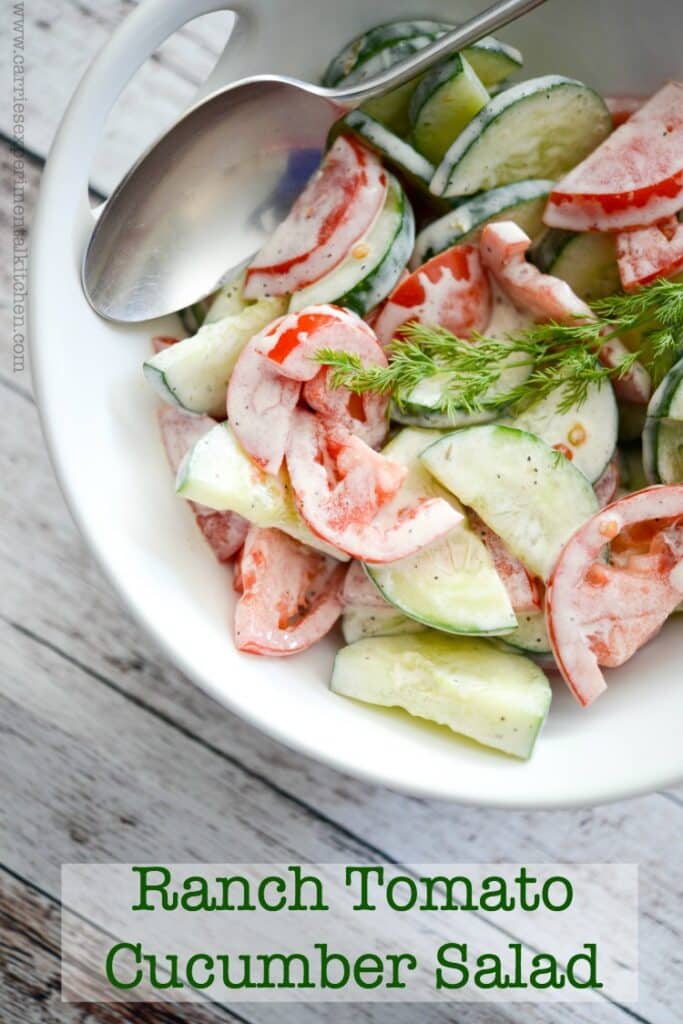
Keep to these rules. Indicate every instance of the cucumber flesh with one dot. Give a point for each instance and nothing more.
(228, 300)
(531, 634)
(533, 499)
(451, 585)
(494, 697)
(523, 203)
(194, 373)
(359, 621)
(587, 434)
(540, 128)
(663, 433)
(446, 99)
(218, 473)
(374, 265)
(586, 261)
(393, 150)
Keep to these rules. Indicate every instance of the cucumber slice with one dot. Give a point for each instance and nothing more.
(393, 150)
(420, 407)
(663, 433)
(493, 61)
(587, 433)
(446, 99)
(451, 585)
(194, 373)
(374, 265)
(218, 473)
(586, 261)
(494, 697)
(359, 621)
(228, 300)
(384, 46)
(523, 203)
(539, 129)
(531, 634)
(379, 38)
(533, 499)
(393, 108)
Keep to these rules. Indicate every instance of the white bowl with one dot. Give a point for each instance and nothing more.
(98, 420)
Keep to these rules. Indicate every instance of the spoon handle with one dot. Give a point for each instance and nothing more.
(494, 17)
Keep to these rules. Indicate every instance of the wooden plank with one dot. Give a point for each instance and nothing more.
(30, 993)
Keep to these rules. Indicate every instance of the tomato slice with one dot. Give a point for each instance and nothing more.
(503, 250)
(524, 590)
(654, 252)
(623, 107)
(599, 613)
(290, 595)
(504, 246)
(266, 383)
(606, 486)
(333, 212)
(224, 531)
(451, 290)
(633, 179)
(344, 492)
(260, 406)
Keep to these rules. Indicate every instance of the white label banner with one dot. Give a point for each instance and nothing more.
(231, 933)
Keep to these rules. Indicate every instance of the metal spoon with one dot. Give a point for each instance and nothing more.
(199, 203)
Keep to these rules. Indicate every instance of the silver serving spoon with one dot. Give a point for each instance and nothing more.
(201, 200)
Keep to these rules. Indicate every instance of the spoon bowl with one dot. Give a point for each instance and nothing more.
(199, 203)
(202, 200)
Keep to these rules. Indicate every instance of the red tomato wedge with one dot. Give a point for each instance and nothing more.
(623, 107)
(267, 381)
(654, 252)
(224, 531)
(261, 403)
(290, 595)
(503, 251)
(524, 590)
(333, 212)
(606, 486)
(344, 492)
(633, 179)
(599, 613)
(451, 290)
(503, 247)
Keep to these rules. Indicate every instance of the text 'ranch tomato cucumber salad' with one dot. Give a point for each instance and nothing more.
(444, 402)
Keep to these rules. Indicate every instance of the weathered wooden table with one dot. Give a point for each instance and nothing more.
(109, 754)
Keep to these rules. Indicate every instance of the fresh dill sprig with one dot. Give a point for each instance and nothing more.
(561, 356)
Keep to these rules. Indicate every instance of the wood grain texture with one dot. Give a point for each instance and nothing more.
(108, 752)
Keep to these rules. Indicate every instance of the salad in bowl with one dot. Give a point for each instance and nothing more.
(443, 405)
